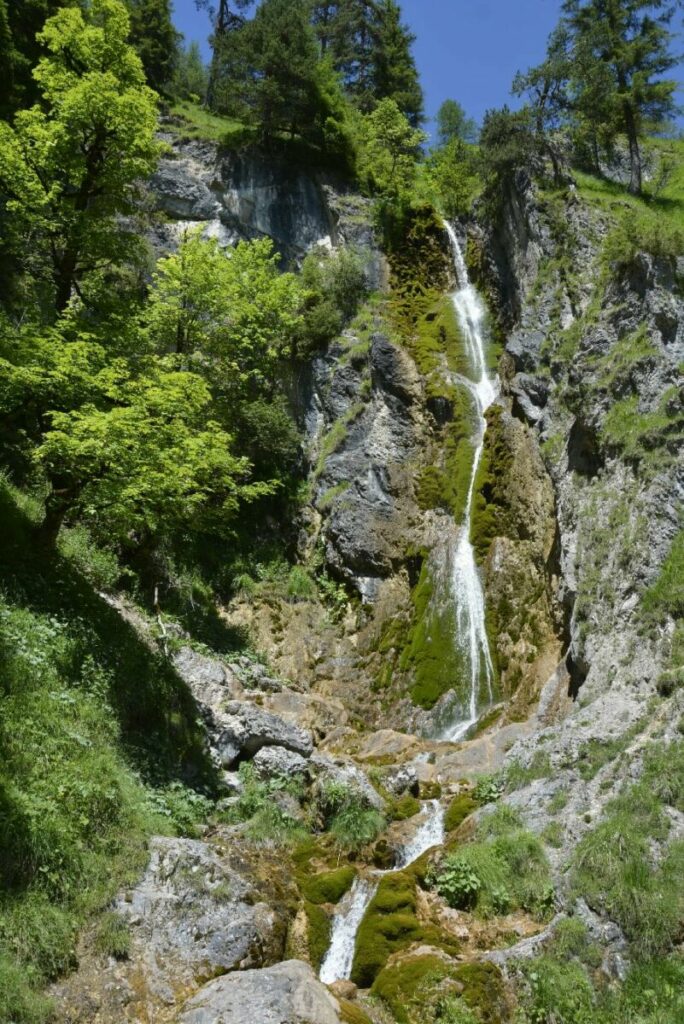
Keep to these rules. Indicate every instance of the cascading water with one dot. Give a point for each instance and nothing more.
(465, 583)
(338, 961)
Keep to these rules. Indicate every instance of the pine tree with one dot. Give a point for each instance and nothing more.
(227, 18)
(454, 123)
(191, 75)
(352, 45)
(395, 75)
(631, 39)
(156, 40)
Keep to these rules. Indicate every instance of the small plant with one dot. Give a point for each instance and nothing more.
(458, 884)
(113, 936)
(350, 820)
(553, 834)
(488, 789)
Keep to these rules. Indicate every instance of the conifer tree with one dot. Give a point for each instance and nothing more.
(20, 23)
(631, 39)
(155, 39)
(227, 17)
(395, 75)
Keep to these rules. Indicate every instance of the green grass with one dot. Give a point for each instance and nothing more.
(199, 123)
(98, 737)
(504, 868)
(614, 866)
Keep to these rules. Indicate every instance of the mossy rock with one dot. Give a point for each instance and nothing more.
(411, 987)
(350, 1013)
(430, 790)
(327, 886)
(391, 924)
(490, 504)
(458, 810)
(319, 929)
(405, 807)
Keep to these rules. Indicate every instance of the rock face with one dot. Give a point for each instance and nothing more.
(288, 993)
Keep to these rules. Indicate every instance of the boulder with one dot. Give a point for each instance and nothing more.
(288, 993)
(208, 679)
(192, 916)
(243, 729)
(278, 762)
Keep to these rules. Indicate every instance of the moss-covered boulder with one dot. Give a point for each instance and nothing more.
(412, 987)
(458, 810)
(327, 886)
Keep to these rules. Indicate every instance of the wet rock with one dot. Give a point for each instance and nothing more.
(280, 763)
(288, 993)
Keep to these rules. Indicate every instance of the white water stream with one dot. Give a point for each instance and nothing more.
(466, 586)
(338, 961)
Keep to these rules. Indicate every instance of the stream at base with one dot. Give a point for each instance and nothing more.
(464, 577)
(338, 961)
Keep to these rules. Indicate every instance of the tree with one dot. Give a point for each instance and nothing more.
(454, 123)
(352, 49)
(631, 39)
(191, 77)
(227, 17)
(395, 75)
(70, 168)
(273, 75)
(144, 462)
(546, 87)
(391, 148)
(452, 177)
(20, 24)
(507, 143)
(155, 39)
(230, 313)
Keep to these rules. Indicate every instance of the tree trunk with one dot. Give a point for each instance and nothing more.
(635, 175)
(56, 508)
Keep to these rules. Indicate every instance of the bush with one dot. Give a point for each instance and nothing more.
(641, 231)
(458, 884)
(337, 285)
(488, 789)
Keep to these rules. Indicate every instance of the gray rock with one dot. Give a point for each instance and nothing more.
(245, 728)
(278, 762)
(208, 678)
(345, 773)
(403, 780)
(191, 916)
(288, 993)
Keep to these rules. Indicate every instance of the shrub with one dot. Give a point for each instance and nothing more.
(348, 816)
(641, 231)
(488, 789)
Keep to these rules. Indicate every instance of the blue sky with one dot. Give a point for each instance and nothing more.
(468, 50)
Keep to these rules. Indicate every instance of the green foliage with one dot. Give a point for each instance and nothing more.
(352, 823)
(504, 868)
(337, 285)
(190, 74)
(113, 936)
(389, 152)
(450, 177)
(266, 820)
(488, 789)
(428, 988)
(405, 807)
(615, 871)
(192, 121)
(556, 991)
(638, 231)
(453, 123)
(70, 168)
(20, 1002)
(155, 39)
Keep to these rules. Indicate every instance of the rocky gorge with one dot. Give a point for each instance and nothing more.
(576, 513)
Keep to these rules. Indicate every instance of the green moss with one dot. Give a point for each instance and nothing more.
(350, 1013)
(328, 886)
(431, 653)
(405, 808)
(319, 929)
(491, 500)
(414, 988)
(459, 809)
(391, 924)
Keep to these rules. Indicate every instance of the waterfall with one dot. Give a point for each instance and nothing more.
(338, 961)
(465, 583)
